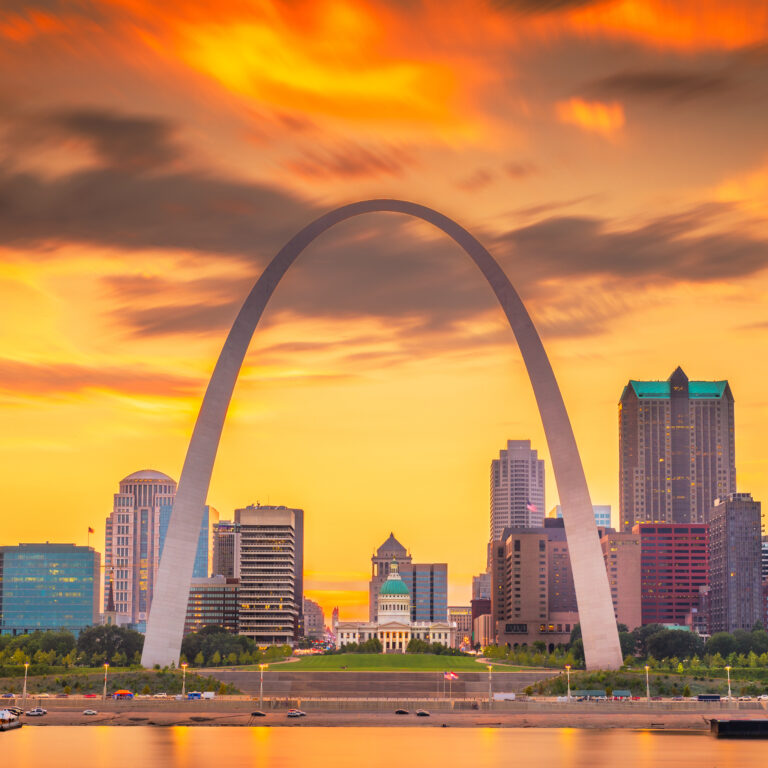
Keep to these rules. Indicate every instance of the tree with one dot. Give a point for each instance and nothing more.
(199, 660)
(721, 643)
(641, 635)
(216, 660)
(669, 643)
(627, 643)
(108, 639)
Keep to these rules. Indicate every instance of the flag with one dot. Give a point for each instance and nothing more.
(531, 507)
(90, 530)
(451, 676)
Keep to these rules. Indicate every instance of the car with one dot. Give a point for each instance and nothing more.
(62, 695)
(90, 712)
(8, 696)
(258, 713)
(90, 695)
(422, 713)
(402, 712)
(763, 697)
(160, 696)
(43, 695)
(745, 698)
(655, 698)
(296, 713)
(36, 712)
(678, 698)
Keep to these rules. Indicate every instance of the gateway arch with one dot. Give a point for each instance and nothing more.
(166, 619)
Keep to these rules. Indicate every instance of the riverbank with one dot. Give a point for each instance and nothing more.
(682, 721)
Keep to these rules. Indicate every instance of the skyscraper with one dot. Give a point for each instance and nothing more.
(48, 587)
(132, 542)
(314, 620)
(735, 584)
(677, 450)
(674, 566)
(428, 586)
(271, 556)
(481, 586)
(517, 488)
(225, 562)
(380, 563)
(621, 552)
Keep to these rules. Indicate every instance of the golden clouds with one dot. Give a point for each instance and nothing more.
(592, 116)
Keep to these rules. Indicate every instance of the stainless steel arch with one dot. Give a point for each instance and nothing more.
(166, 619)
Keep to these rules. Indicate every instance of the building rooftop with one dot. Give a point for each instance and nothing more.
(391, 546)
(660, 390)
(148, 474)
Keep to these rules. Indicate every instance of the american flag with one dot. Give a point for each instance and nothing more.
(531, 507)
(451, 676)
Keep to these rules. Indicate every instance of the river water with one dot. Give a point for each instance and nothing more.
(422, 747)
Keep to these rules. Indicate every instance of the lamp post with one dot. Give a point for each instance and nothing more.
(26, 669)
(104, 695)
(647, 684)
(262, 667)
(184, 678)
(728, 672)
(568, 674)
(490, 686)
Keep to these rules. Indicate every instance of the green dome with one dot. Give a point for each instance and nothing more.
(394, 587)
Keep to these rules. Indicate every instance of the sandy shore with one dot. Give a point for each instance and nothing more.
(667, 721)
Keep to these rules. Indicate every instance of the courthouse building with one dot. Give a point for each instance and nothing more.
(393, 626)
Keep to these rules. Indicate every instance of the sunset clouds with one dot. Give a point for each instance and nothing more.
(153, 156)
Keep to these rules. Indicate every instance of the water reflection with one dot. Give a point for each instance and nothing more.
(182, 747)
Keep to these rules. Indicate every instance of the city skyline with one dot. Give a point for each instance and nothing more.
(613, 194)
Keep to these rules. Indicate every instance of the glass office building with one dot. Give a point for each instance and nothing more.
(48, 587)
(210, 516)
(428, 585)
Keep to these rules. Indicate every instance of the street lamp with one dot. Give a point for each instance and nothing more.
(104, 695)
(490, 686)
(184, 678)
(26, 669)
(262, 667)
(647, 684)
(568, 673)
(728, 672)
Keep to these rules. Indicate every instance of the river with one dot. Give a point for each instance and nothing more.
(184, 747)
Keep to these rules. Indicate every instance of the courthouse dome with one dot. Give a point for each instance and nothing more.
(394, 585)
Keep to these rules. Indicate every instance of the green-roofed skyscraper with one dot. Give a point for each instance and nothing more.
(676, 449)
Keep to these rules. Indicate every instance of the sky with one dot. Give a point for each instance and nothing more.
(612, 155)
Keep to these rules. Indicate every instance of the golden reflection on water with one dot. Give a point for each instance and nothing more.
(418, 746)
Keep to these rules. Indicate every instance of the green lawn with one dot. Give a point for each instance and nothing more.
(371, 662)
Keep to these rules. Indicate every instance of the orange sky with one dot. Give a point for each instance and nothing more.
(612, 155)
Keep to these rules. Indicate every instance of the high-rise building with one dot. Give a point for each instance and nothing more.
(621, 552)
(132, 542)
(314, 620)
(677, 449)
(764, 559)
(602, 514)
(380, 564)
(674, 566)
(225, 563)
(461, 615)
(481, 606)
(735, 586)
(271, 557)
(428, 587)
(212, 602)
(48, 587)
(520, 591)
(517, 488)
(481, 586)
(562, 592)
(200, 569)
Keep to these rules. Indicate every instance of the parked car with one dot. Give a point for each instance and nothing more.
(763, 697)
(42, 695)
(90, 695)
(258, 713)
(62, 695)
(36, 712)
(745, 698)
(296, 713)
(422, 713)
(90, 712)
(402, 712)
(9, 696)
(160, 696)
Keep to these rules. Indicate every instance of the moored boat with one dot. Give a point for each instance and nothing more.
(756, 728)
(8, 720)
